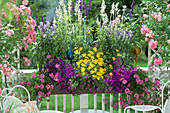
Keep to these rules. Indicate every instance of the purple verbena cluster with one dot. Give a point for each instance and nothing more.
(119, 77)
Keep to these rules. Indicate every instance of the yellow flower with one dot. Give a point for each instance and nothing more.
(111, 74)
(113, 58)
(102, 77)
(104, 69)
(94, 76)
(86, 61)
(89, 67)
(84, 54)
(95, 69)
(92, 30)
(95, 49)
(118, 54)
(89, 55)
(75, 47)
(91, 52)
(98, 78)
(88, 32)
(82, 69)
(111, 67)
(117, 50)
(78, 63)
(83, 73)
(92, 71)
(99, 74)
(95, 61)
(81, 48)
(92, 57)
(76, 52)
(82, 64)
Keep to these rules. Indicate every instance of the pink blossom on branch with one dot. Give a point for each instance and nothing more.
(153, 44)
(26, 61)
(158, 61)
(6, 57)
(25, 2)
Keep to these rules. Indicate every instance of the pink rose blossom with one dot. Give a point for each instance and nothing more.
(6, 57)
(21, 83)
(41, 86)
(51, 75)
(9, 32)
(140, 102)
(124, 81)
(145, 16)
(168, 8)
(0, 91)
(25, 2)
(36, 86)
(124, 105)
(153, 44)
(26, 61)
(168, 41)
(115, 106)
(157, 82)
(56, 79)
(158, 61)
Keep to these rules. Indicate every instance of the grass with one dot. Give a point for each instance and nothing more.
(77, 103)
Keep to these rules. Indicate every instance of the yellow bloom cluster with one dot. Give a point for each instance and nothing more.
(91, 63)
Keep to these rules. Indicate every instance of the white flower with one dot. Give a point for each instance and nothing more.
(112, 10)
(79, 16)
(61, 2)
(98, 23)
(65, 13)
(60, 14)
(124, 6)
(54, 21)
(69, 8)
(116, 6)
(105, 19)
(103, 7)
(118, 12)
(56, 11)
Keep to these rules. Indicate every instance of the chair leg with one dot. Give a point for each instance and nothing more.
(125, 110)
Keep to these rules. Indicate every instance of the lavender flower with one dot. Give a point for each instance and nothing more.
(132, 6)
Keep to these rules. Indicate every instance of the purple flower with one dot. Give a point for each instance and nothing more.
(132, 6)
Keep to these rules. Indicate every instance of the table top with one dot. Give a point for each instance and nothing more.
(50, 111)
(143, 107)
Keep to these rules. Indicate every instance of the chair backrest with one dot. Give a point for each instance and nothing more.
(166, 106)
(9, 101)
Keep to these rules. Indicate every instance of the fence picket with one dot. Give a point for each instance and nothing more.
(103, 104)
(64, 102)
(95, 102)
(120, 107)
(56, 105)
(72, 103)
(47, 103)
(111, 103)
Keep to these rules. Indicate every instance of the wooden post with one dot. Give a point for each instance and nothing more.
(83, 101)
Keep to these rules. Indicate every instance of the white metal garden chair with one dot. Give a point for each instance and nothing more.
(165, 107)
(8, 101)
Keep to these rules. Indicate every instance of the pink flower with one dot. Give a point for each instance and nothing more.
(39, 98)
(40, 93)
(146, 79)
(26, 61)
(51, 75)
(36, 86)
(154, 88)
(157, 82)
(25, 2)
(42, 75)
(127, 90)
(33, 75)
(142, 95)
(44, 95)
(160, 89)
(57, 65)
(141, 81)
(147, 39)
(48, 56)
(28, 10)
(135, 76)
(168, 41)
(153, 44)
(47, 70)
(21, 83)
(105, 101)
(124, 105)
(29, 83)
(6, 57)
(136, 95)
(48, 93)
(7, 71)
(41, 86)
(124, 81)
(52, 87)
(115, 106)
(168, 8)
(128, 85)
(0, 91)
(158, 61)
(130, 92)
(128, 97)
(48, 86)
(9, 32)
(42, 80)
(145, 16)
(56, 79)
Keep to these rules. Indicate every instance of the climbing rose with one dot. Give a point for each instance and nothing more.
(153, 44)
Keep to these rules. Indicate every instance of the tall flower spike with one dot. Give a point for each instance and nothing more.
(103, 7)
(116, 6)
(112, 10)
(69, 8)
(61, 2)
(132, 6)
